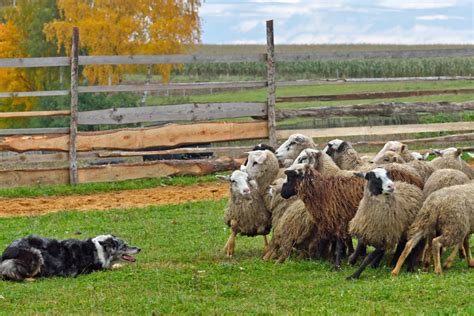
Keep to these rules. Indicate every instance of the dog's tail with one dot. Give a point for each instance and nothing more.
(26, 265)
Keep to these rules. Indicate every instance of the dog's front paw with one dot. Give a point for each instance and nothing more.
(116, 266)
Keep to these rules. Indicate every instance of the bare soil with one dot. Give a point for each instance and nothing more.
(111, 200)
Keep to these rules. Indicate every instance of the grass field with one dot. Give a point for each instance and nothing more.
(182, 270)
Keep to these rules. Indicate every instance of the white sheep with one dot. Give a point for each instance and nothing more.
(246, 213)
(290, 149)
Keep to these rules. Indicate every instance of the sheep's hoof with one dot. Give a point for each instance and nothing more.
(30, 280)
(352, 278)
(448, 264)
(471, 263)
(439, 272)
(395, 273)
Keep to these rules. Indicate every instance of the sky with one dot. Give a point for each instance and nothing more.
(339, 21)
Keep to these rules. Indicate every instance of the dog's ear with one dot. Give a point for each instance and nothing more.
(108, 243)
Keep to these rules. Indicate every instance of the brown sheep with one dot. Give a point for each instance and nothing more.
(331, 202)
(448, 214)
(384, 214)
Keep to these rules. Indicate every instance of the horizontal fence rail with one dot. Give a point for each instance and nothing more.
(383, 109)
(170, 135)
(221, 58)
(171, 113)
(340, 132)
(374, 95)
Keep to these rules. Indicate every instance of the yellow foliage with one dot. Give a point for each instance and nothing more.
(13, 79)
(126, 27)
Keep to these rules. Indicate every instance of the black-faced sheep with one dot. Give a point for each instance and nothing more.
(384, 214)
(343, 154)
(448, 214)
(246, 213)
(293, 227)
(331, 201)
(290, 149)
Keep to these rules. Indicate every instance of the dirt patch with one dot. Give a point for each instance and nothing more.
(119, 199)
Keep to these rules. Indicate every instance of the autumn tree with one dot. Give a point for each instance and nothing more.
(21, 35)
(126, 27)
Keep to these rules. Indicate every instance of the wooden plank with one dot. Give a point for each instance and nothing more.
(348, 55)
(157, 169)
(458, 138)
(33, 131)
(175, 86)
(34, 62)
(330, 81)
(50, 93)
(218, 58)
(170, 59)
(73, 112)
(271, 85)
(49, 157)
(172, 113)
(170, 135)
(374, 95)
(383, 109)
(198, 150)
(379, 130)
(33, 114)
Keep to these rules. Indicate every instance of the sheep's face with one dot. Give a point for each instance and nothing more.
(255, 162)
(389, 157)
(394, 146)
(289, 150)
(293, 175)
(417, 156)
(335, 146)
(307, 156)
(378, 181)
(239, 183)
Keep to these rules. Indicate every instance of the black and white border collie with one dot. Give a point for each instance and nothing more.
(34, 256)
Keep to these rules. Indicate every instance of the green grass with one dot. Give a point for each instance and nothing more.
(182, 270)
(89, 188)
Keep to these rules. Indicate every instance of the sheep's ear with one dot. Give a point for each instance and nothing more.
(437, 152)
(299, 139)
(222, 178)
(261, 158)
(403, 148)
(359, 174)
(343, 146)
(459, 152)
(425, 156)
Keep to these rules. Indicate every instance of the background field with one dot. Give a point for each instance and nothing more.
(182, 270)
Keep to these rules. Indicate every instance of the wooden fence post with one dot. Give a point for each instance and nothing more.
(74, 101)
(271, 85)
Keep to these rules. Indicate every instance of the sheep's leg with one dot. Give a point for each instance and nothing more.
(350, 246)
(230, 245)
(408, 247)
(339, 254)
(265, 243)
(322, 250)
(400, 246)
(415, 255)
(435, 250)
(360, 249)
(376, 262)
(426, 257)
(367, 260)
(470, 261)
(449, 261)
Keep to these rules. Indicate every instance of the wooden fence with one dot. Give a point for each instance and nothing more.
(68, 143)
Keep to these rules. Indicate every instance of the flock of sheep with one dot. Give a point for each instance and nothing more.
(316, 201)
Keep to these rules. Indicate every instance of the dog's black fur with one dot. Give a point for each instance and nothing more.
(35, 256)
